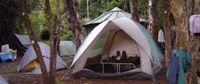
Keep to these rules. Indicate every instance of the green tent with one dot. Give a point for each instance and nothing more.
(112, 36)
(108, 15)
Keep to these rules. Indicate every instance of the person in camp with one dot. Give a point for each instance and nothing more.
(161, 40)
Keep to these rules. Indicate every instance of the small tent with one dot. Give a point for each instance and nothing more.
(120, 34)
(67, 48)
(24, 39)
(29, 64)
(108, 15)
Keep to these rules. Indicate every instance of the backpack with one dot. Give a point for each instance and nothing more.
(194, 24)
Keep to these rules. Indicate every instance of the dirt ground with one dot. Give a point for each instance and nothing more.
(8, 71)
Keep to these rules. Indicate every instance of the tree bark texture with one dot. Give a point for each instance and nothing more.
(194, 47)
(195, 52)
(153, 27)
(181, 20)
(53, 37)
(134, 10)
(28, 26)
(196, 7)
(58, 25)
(73, 20)
(167, 31)
(181, 11)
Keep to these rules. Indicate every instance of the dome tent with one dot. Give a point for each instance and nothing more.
(108, 15)
(29, 65)
(117, 35)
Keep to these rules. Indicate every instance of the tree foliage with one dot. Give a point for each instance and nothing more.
(97, 7)
(8, 16)
(37, 17)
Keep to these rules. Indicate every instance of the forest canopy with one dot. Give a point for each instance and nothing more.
(37, 16)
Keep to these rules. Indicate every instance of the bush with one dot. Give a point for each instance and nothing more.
(45, 35)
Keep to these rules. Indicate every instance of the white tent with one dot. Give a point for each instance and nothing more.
(24, 39)
(29, 64)
(117, 35)
(67, 48)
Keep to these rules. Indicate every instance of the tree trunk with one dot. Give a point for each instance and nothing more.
(181, 22)
(181, 18)
(181, 11)
(194, 49)
(134, 10)
(58, 25)
(28, 25)
(167, 31)
(196, 8)
(53, 37)
(73, 20)
(153, 27)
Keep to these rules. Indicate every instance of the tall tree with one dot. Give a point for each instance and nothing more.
(153, 22)
(181, 10)
(54, 25)
(53, 50)
(28, 26)
(167, 33)
(195, 46)
(134, 10)
(181, 17)
(72, 16)
(58, 26)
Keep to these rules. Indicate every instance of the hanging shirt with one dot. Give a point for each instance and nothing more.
(177, 67)
(161, 36)
(174, 68)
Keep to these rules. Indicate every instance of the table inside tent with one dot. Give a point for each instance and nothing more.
(118, 65)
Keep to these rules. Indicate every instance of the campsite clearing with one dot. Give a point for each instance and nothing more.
(8, 71)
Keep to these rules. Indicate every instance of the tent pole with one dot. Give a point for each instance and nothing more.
(88, 9)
